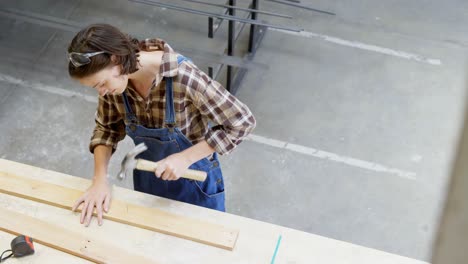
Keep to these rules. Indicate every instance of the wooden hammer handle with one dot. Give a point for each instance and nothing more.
(147, 165)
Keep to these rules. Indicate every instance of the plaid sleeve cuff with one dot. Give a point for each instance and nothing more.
(219, 140)
(99, 141)
(102, 136)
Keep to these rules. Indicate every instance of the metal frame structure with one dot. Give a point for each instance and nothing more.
(234, 75)
(256, 34)
(236, 67)
(204, 13)
(71, 26)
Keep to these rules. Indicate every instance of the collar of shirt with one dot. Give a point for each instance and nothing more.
(169, 66)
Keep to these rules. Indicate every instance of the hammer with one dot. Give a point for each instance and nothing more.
(129, 163)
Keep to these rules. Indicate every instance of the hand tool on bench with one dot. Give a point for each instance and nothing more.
(129, 163)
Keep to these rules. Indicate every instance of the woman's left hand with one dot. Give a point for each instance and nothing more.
(172, 167)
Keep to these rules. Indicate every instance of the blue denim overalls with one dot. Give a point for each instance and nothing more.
(168, 140)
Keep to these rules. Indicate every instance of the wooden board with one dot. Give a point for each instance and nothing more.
(131, 214)
(257, 243)
(65, 240)
(42, 254)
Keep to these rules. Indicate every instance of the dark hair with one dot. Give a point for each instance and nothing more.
(104, 37)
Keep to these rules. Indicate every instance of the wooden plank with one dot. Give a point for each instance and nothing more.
(42, 254)
(65, 240)
(148, 218)
(256, 243)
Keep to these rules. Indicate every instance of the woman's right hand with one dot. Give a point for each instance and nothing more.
(98, 195)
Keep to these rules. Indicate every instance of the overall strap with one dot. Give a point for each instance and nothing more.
(129, 115)
(170, 110)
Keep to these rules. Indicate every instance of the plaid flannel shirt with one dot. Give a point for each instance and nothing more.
(197, 100)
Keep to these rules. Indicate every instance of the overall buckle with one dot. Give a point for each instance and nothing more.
(171, 126)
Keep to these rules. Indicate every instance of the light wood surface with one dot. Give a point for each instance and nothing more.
(256, 243)
(131, 214)
(42, 253)
(65, 240)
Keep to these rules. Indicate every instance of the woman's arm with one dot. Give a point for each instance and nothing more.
(174, 166)
(109, 130)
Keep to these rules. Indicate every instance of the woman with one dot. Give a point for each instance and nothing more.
(157, 96)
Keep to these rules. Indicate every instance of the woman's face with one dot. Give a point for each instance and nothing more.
(107, 81)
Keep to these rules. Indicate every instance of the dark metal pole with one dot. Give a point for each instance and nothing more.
(210, 72)
(252, 27)
(218, 21)
(236, 36)
(210, 27)
(230, 51)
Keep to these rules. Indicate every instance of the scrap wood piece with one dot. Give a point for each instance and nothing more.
(148, 218)
(65, 240)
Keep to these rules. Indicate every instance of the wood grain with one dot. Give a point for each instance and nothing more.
(148, 218)
(65, 240)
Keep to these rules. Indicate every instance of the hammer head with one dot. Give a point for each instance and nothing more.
(129, 161)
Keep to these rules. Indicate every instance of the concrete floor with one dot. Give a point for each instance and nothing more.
(357, 119)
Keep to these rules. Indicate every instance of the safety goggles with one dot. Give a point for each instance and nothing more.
(80, 59)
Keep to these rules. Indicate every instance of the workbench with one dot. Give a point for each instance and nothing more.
(257, 242)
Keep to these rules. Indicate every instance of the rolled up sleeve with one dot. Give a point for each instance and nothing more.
(232, 119)
(110, 127)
